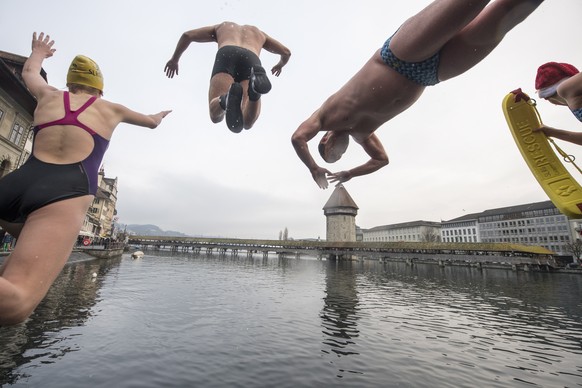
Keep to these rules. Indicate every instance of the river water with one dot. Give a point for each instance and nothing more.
(186, 320)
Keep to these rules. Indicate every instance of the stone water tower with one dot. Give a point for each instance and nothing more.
(340, 212)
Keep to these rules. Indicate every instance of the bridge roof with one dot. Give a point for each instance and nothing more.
(325, 245)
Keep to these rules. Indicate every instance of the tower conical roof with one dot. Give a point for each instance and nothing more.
(340, 198)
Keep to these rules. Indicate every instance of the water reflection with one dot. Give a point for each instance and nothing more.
(448, 319)
(45, 334)
(340, 311)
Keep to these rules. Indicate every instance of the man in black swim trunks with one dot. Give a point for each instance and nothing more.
(238, 79)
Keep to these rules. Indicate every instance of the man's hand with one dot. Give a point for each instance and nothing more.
(319, 175)
(171, 68)
(340, 177)
(276, 70)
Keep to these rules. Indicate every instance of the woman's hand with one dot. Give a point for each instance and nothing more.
(43, 45)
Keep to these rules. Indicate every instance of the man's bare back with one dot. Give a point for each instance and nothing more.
(368, 100)
(245, 36)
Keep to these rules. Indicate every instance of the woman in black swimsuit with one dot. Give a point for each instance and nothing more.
(43, 204)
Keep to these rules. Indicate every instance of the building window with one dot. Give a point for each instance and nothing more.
(1, 114)
(16, 134)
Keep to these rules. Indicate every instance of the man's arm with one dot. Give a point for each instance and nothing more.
(200, 35)
(378, 159)
(307, 131)
(572, 137)
(276, 47)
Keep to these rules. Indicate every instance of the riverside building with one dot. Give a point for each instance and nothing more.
(16, 109)
(415, 231)
(539, 223)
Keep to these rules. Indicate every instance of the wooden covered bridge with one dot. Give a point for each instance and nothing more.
(478, 254)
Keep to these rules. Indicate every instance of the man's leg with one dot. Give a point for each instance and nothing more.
(44, 246)
(219, 86)
(424, 34)
(257, 85)
(259, 82)
(482, 35)
(251, 108)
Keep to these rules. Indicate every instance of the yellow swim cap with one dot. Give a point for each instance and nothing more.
(84, 71)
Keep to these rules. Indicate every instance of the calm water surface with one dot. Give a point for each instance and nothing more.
(220, 321)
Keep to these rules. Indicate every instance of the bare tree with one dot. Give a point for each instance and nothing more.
(575, 248)
(285, 234)
(429, 235)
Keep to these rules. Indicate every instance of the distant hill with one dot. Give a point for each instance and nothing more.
(150, 230)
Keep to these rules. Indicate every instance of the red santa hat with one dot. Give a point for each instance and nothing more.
(552, 74)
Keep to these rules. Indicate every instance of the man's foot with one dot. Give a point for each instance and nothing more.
(259, 81)
(234, 115)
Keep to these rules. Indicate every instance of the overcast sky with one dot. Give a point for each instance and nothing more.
(450, 154)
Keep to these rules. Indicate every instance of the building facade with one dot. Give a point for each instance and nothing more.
(539, 223)
(17, 106)
(415, 231)
(462, 229)
(100, 217)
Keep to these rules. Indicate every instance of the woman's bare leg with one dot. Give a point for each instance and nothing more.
(43, 247)
(424, 34)
(482, 35)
